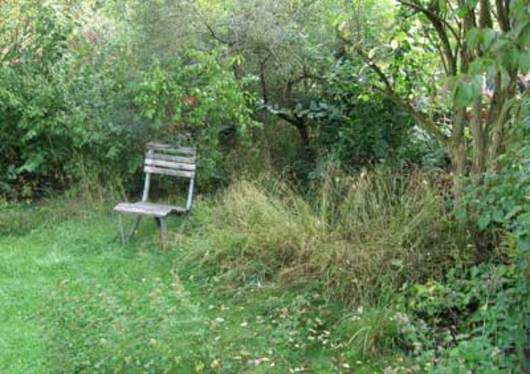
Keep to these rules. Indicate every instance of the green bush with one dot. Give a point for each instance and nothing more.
(76, 105)
(61, 100)
(477, 319)
(358, 126)
(197, 96)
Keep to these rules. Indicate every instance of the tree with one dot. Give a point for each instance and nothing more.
(476, 45)
(284, 43)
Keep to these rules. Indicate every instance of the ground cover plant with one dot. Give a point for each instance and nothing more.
(362, 185)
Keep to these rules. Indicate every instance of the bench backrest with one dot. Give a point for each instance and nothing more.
(172, 160)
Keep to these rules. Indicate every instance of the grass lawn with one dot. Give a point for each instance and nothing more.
(73, 299)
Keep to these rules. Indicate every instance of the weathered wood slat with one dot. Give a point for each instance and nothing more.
(171, 172)
(148, 209)
(143, 209)
(171, 148)
(169, 164)
(162, 156)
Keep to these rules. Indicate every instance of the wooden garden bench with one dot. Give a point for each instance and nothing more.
(164, 159)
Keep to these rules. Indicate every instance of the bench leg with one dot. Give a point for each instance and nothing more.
(134, 227)
(163, 230)
(120, 226)
(183, 223)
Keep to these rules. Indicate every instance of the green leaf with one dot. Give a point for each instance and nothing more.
(498, 216)
(480, 65)
(461, 214)
(484, 221)
(510, 58)
(474, 37)
(463, 95)
(489, 37)
(32, 163)
(524, 63)
(498, 45)
(524, 218)
(513, 212)
(505, 78)
(466, 92)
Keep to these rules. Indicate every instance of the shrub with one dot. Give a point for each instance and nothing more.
(62, 101)
(199, 96)
(477, 319)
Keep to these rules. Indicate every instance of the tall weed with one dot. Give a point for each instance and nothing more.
(361, 237)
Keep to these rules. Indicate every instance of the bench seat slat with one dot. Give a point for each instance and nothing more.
(148, 209)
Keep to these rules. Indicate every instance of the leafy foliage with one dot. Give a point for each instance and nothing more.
(59, 103)
(423, 270)
(503, 198)
(199, 97)
(360, 127)
(475, 320)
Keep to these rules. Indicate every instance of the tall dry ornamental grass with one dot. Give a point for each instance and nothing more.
(360, 236)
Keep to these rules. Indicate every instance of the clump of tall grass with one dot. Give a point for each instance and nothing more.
(360, 236)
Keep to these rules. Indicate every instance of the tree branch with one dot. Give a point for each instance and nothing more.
(430, 13)
(216, 37)
(264, 91)
(503, 16)
(420, 117)
(438, 23)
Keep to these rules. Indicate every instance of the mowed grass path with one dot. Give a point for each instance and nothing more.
(73, 299)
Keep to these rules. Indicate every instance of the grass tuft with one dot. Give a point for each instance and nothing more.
(361, 237)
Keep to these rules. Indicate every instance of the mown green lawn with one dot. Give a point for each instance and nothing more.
(73, 299)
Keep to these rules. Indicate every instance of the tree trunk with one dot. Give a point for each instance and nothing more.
(458, 152)
(497, 137)
(479, 140)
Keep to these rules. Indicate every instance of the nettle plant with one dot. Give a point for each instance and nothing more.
(198, 96)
